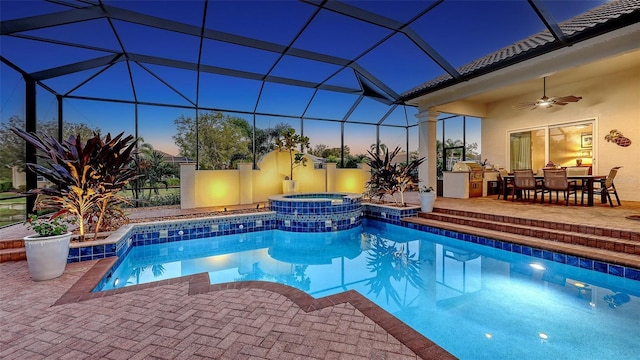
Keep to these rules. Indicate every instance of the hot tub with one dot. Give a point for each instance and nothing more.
(317, 212)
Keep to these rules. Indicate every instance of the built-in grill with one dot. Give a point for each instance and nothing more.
(464, 181)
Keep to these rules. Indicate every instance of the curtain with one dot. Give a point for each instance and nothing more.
(521, 151)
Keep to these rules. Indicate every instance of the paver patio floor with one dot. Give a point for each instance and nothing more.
(166, 322)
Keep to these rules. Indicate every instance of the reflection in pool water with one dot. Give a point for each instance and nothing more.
(474, 301)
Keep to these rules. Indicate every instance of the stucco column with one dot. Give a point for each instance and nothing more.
(331, 174)
(246, 183)
(427, 147)
(366, 175)
(187, 185)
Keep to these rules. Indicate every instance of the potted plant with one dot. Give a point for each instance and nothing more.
(427, 198)
(387, 178)
(290, 142)
(405, 176)
(48, 249)
(86, 178)
(383, 174)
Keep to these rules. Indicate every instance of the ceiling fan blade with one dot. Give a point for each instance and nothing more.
(566, 99)
(526, 105)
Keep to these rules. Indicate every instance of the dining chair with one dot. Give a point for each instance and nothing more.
(579, 171)
(501, 174)
(556, 180)
(607, 187)
(523, 180)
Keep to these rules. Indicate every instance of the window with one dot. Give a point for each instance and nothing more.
(458, 139)
(564, 145)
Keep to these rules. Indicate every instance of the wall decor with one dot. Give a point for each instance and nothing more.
(586, 140)
(616, 136)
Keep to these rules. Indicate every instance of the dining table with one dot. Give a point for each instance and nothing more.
(587, 181)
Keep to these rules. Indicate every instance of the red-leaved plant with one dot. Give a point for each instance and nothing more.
(387, 178)
(86, 176)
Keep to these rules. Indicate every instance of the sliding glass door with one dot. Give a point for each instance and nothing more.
(527, 149)
(566, 145)
(571, 145)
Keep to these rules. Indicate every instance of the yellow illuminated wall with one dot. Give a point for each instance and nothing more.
(217, 187)
(211, 188)
(349, 180)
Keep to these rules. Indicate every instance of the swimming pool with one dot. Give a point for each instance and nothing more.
(474, 301)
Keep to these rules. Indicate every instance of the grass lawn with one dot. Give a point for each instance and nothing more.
(145, 193)
(10, 209)
(4, 198)
(155, 199)
(11, 206)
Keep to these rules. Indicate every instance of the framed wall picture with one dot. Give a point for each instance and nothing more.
(586, 140)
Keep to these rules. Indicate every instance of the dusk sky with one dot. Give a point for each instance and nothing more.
(460, 31)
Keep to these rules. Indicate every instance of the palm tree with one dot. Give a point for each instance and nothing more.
(152, 168)
(378, 149)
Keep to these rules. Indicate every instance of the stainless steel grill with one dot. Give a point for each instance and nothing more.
(475, 176)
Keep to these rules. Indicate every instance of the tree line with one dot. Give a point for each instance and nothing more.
(221, 142)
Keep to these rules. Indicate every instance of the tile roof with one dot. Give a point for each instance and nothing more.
(607, 17)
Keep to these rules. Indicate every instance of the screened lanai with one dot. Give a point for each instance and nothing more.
(339, 72)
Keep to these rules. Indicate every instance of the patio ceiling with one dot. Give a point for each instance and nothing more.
(607, 65)
(344, 61)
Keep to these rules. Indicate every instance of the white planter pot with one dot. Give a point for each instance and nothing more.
(426, 201)
(47, 256)
(289, 186)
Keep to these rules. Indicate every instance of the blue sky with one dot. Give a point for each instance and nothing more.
(460, 31)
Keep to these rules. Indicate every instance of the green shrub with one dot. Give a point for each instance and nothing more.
(5, 185)
(173, 182)
(163, 200)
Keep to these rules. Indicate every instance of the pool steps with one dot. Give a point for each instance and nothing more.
(12, 250)
(614, 246)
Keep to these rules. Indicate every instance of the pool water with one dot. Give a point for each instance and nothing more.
(476, 302)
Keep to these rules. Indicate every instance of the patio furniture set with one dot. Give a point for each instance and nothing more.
(521, 183)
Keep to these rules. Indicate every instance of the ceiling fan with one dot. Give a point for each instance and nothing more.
(547, 102)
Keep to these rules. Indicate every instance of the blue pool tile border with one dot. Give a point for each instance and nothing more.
(389, 214)
(571, 260)
(121, 241)
(317, 212)
(169, 231)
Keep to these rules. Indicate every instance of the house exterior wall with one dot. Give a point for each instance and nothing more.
(19, 179)
(612, 100)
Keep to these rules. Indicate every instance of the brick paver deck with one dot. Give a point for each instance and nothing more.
(194, 320)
